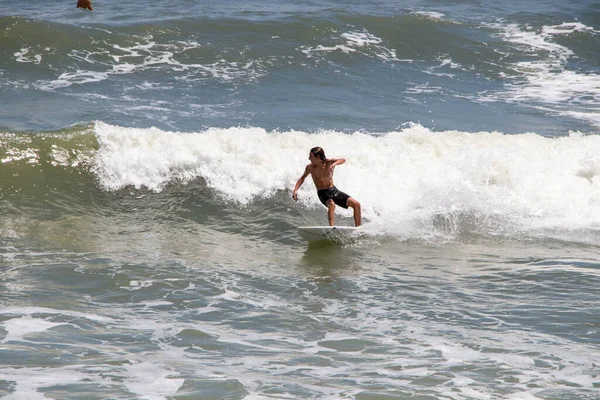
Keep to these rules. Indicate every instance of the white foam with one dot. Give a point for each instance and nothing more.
(423, 88)
(137, 285)
(593, 115)
(24, 57)
(147, 55)
(430, 14)
(320, 48)
(567, 28)
(361, 38)
(405, 180)
(28, 381)
(80, 77)
(28, 311)
(16, 155)
(546, 80)
(354, 41)
(18, 328)
(152, 381)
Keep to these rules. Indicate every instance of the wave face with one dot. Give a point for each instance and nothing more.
(413, 183)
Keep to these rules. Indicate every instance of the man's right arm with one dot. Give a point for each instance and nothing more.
(299, 183)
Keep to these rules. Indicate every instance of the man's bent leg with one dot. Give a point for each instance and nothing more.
(330, 212)
(357, 211)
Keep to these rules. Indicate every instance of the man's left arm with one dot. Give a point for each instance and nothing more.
(335, 161)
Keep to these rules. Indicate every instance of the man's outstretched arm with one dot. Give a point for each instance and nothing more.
(299, 183)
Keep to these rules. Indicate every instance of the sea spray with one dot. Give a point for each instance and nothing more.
(528, 180)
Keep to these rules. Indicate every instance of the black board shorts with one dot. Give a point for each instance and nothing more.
(340, 198)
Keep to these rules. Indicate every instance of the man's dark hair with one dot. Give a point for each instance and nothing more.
(319, 152)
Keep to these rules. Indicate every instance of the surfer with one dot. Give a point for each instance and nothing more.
(321, 170)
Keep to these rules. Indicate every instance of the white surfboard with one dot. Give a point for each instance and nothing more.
(331, 233)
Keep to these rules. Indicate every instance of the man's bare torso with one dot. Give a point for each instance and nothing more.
(322, 174)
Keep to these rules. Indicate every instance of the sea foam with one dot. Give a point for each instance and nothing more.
(545, 80)
(403, 179)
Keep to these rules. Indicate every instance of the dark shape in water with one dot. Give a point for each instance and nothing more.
(85, 4)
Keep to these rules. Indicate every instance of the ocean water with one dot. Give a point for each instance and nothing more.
(148, 244)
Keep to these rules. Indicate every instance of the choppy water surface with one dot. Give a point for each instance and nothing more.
(147, 233)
